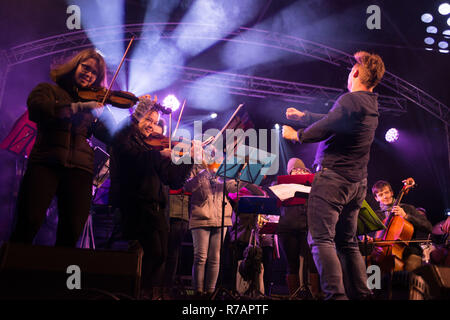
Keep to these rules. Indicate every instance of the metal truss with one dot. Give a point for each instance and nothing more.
(295, 92)
(238, 84)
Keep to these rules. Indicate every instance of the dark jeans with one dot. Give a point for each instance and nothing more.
(178, 229)
(147, 224)
(295, 245)
(73, 188)
(268, 268)
(333, 208)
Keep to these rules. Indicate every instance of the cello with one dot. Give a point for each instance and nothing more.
(395, 238)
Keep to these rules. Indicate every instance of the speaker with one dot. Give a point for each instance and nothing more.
(438, 280)
(40, 272)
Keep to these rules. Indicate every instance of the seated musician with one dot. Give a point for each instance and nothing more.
(383, 194)
(293, 231)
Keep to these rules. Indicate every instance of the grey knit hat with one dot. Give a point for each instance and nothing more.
(294, 163)
(144, 106)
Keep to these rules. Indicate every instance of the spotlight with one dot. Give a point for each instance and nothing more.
(432, 29)
(276, 126)
(448, 21)
(391, 135)
(171, 102)
(213, 115)
(429, 40)
(427, 18)
(443, 51)
(444, 9)
(443, 45)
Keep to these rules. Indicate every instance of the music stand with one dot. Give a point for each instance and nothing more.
(368, 221)
(247, 169)
(21, 138)
(226, 170)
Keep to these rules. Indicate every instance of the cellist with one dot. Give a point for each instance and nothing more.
(383, 194)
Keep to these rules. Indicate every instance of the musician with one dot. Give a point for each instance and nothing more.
(205, 224)
(340, 183)
(383, 194)
(292, 230)
(61, 162)
(138, 173)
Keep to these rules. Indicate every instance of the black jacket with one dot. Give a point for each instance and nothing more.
(345, 134)
(138, 172)
(62, 136)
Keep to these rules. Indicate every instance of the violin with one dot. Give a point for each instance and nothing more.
(119, 99)
(158, 141)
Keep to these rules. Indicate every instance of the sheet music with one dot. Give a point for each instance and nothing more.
(288, 190)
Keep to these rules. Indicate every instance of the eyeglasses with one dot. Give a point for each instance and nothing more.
(297, 171)
(86, 69)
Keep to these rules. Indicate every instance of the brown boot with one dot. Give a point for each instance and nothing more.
(293, 283)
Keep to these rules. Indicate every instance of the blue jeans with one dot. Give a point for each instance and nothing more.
(333, 208)
(206, 242)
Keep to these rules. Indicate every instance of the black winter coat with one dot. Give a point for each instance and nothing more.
(62, 136)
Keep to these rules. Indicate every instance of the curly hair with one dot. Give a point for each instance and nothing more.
(63, 74)
(371, 68)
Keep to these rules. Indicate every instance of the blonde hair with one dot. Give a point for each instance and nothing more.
(63, 73)
(371, 68)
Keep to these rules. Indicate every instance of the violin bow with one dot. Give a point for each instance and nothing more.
(213, 139)
(117, 70)
(179, 118)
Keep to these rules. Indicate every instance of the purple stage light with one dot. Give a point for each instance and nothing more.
(391, 135)
(171, 102)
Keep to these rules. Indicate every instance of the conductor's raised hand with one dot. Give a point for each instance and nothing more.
(290, 133)
(294, 114)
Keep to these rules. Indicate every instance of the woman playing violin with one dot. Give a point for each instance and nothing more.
(61, 161)
(138, 175)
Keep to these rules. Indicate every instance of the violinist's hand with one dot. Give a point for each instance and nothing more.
(445, 227)
(197, 151)
(398, 211)
(290, 133)
(294, 114)
(98, 110)
(166, 153)
(95, 107)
